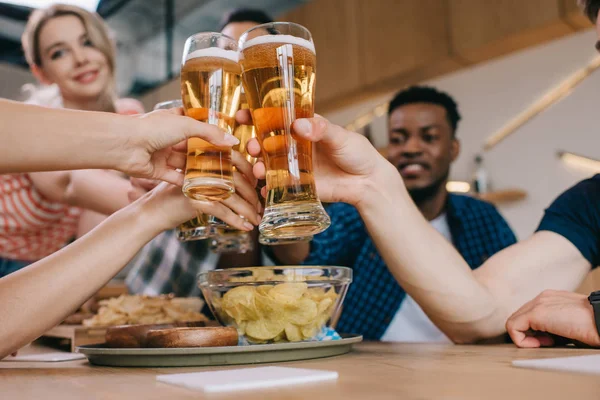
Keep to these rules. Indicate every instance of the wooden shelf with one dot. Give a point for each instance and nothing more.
(503, 196)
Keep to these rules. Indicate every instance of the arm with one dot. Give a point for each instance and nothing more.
(96, 190)
(69, 277)
(43, 139)
(66, 279)
(467, 305)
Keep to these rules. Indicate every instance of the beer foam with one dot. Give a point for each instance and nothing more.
(281, 39)
(214, 52)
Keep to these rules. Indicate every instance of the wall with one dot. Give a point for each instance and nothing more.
(491, 94)
(364, 47)
(12, 79)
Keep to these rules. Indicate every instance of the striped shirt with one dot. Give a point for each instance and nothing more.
(32, 227)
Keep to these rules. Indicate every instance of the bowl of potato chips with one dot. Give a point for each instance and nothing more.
(276, 304)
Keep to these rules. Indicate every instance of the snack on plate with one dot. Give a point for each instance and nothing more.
(286, 311)
(138, 309)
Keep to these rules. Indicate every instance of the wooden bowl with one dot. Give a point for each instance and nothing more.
(192, 337)
(126, 336)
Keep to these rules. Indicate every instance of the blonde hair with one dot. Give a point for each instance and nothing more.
(98, 34)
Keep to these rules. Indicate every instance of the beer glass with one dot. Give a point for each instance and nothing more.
(210, 91)
(278, 73)
(226, 238)
(197, 228)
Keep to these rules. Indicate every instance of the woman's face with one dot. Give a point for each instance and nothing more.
(70, 60)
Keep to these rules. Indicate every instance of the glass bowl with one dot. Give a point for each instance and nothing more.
(276, 304)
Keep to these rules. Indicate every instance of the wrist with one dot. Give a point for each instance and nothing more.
(124, 144)
(143, 219)
(383, 188)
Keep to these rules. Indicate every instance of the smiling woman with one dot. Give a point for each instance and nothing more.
(71, 48)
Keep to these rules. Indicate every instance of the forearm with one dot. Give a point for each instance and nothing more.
(43, 139)
(427, 266)
(99, 191)
(40, 296)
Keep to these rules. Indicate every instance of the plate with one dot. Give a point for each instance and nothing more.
(208, 356)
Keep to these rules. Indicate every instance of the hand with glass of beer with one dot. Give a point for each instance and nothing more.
(197, 228)
(210, 91)
(278, 63)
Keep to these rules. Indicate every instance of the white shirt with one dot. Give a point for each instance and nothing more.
(411, 324)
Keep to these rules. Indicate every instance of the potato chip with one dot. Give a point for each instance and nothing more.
(292, 332)
(137, 309)
(309, 331)
(268, 307)
(288, 293)
(302, 312)
(264, 289)
(264, 329)
(277, 312)
(239, 303)
(324, 305)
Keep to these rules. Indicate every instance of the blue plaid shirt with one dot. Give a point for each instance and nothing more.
(478, 231)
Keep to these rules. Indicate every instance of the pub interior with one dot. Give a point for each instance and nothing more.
(299, 199)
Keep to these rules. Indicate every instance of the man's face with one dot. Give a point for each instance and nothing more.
(421, 146)
(235, 29)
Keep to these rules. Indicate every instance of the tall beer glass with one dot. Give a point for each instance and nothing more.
(278, 63)
(197, 228)
(227, 239)
(210, 90)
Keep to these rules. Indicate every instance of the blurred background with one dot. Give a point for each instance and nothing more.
(523, 74)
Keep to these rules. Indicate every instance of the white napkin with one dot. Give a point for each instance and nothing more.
(582, 364)
(247, 378)
(46, 357)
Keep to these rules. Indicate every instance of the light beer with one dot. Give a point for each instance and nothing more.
(279, 81)
(196, 228)
(226, 238)
(210, 90)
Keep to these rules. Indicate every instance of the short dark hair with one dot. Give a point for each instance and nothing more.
(245, 15)
(590, 8)
(427, 94)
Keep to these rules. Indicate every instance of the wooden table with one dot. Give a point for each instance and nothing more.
(371, 371)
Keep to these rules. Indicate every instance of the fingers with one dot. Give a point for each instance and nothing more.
(176, 160)
(243, 166)
(211, 133)
(259, 170)
(172, 176)
(242, 208)
(180, 147)
(517, 327)
(253, 147)
(224, 213)
(143, 183)
(244, 117)
(247, 192)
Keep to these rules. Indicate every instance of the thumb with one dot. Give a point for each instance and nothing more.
(318, 129)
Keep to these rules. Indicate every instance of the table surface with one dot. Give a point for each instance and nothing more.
(370, 371)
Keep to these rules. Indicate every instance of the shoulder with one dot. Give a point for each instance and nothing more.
(586, 191)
